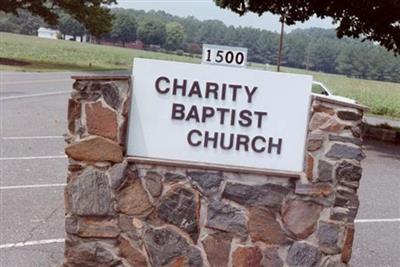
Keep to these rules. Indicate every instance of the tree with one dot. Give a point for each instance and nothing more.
(151, 31)
(266, 47)
(24, 23)
(369, 19)
(230, 37)
(7, 26)
(248, 37)
(70, 26)
(124, 28)
(353, 61)
(321, 55)
(175, 35)
(192, 26)
(93, 14)
(211, 31)
(297, 42)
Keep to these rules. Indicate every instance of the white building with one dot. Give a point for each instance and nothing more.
(48, 33)
(55, 34)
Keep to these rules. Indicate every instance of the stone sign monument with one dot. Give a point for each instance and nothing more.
(146, 198)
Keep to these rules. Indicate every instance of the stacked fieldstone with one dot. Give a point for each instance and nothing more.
(122, 213)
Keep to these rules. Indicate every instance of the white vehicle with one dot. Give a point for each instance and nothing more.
(319, 88)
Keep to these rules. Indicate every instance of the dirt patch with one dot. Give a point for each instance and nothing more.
(13, 62)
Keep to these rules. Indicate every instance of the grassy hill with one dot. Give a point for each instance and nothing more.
(28, 53)
(50, 55)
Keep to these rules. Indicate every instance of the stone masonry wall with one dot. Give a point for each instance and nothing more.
(120, 213)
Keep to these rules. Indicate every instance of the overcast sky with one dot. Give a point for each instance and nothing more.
(206, 9)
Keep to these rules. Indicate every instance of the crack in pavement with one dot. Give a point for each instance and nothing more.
(45, 220)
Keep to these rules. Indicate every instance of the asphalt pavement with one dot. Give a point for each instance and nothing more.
(33, 169)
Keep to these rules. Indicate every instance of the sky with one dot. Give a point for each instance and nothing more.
(206, 9)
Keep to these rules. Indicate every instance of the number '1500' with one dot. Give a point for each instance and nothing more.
(227, 57)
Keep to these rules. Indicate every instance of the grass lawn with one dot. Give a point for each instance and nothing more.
(56, 55)
(383, 98)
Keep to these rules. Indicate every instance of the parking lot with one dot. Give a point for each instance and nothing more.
(33, 109)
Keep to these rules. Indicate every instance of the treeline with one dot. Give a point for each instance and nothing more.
(313, 49)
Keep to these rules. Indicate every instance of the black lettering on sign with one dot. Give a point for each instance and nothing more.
(234, 87)
(239, 58)
(229, 57)
(208, 112)
(242, 140)
(193, 114)
(157, 85)
(245, 118)
(195, 90)
(213, 139)
(250, 93)
(232, 141)
(233, 117)
(223, 143)
(211, 88)
(190, 137)
(260, 115)
(222, 111)
(271, 145)
(223, 91)
(176, 86)
(178, 111)
(254, 144)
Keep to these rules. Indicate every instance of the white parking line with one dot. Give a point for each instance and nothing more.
(39, 157)
(30, 186)
(32, 137)
(32, 243)
(377, 220)
(34, 95)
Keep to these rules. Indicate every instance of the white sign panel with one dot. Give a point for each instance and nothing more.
(224, 55)
(218, 115)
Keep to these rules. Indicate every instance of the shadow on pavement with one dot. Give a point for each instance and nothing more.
(385, 150)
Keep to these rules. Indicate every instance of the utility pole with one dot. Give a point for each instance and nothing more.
(278, 65)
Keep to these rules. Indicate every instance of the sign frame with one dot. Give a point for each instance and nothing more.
(217, 165)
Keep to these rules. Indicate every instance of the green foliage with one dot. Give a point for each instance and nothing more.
(99, 22)
(312, 49)
(370, 19)
(368, 61)
(320, 50)
(95, 17)
(211, 31)
(70, 26)
(298, 43)
(175, 35)
(344, 62)
(7, 26)
(151, 31)
(124, 28)
(321, 55)
(23, 23)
